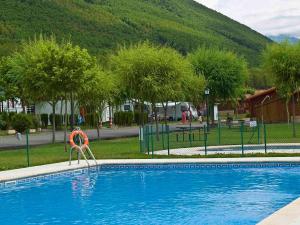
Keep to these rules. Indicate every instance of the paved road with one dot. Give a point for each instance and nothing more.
(11, 142)
(45, 137)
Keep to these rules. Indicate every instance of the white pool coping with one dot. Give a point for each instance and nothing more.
(289, 215)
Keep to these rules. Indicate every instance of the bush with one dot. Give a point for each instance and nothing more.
(35, 122)
(3, 124)
(123, 118)
(21, 122)
(58, 120)
(138, 115)
(45, 120)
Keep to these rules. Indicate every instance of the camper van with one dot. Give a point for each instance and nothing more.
(175, 109)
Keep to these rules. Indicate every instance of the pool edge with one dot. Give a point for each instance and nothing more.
(288, 215)
(16, 174)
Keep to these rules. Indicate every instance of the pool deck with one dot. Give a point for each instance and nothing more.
(289, 215)
(289, 148)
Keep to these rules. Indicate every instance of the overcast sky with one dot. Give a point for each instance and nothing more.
(269, 17)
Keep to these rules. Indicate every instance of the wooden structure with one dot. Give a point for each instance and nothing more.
(270, 106)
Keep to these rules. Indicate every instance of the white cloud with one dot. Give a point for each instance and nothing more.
(269, 17)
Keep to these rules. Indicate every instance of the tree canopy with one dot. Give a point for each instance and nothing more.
(224, 71)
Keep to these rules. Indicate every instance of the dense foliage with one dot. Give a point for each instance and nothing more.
(102, 25)
(225, 72)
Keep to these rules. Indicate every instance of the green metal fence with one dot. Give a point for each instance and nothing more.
(239, 137)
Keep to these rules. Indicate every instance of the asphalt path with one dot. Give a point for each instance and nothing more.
(45, 137)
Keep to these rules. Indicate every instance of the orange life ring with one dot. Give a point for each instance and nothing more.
(83, 135)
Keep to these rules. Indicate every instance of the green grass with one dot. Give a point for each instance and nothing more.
(101, 25)
(275, 133)
(128, 148)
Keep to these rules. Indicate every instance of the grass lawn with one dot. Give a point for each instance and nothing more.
(107, 149)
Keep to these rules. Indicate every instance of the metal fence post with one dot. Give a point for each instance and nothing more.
(190, 135)
(162, 136)
(242, 136)
(148, 139)
(152, 143)
(168, 138)
(258, 133)
(27, 147)
(219, 131)
(205, 139)
(265, 138)
(141, 137)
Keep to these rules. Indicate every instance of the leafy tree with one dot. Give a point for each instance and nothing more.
(11, 81)
(150, 73)
(97, 92)
(283, 61)
(50, 71)
(224, 71)
(193, 88)
(259, 78)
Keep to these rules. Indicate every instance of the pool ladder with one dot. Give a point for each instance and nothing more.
(81, 152)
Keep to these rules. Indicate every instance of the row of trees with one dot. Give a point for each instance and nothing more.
(45, 70)
(283, 62)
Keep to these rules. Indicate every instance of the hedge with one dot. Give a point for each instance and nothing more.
(123, 118)
(21, 122)
(45, 120)
(137, 116)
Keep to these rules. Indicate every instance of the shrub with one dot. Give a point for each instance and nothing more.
(35, 122)
(123, 118)
(3, 124)
(45, 120)
(138, 115)
(21, 122)
(58, 120)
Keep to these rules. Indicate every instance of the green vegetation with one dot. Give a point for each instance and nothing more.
(283, 61)
(102, 25)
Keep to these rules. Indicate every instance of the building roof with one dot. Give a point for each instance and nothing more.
(260, 93)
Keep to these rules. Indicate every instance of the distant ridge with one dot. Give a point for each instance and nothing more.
(281, 38)
(102, 25)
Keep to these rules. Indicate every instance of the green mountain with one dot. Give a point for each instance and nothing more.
(103, 25)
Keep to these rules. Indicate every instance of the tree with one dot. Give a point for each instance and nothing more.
(193, 90)
(283, 61)
(49, 71)
(225, 73)
(98, 91)
(11, 81)
(150, 73)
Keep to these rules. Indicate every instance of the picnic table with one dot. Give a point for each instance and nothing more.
(186, 129)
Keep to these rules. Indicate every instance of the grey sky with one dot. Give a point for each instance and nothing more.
(269, 17)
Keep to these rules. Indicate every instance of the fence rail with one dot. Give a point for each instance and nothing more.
(221, 138)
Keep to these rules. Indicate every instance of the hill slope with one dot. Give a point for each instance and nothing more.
(102, 25)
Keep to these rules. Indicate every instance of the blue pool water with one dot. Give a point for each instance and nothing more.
(169, 194)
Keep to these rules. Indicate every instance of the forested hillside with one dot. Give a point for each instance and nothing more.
(102, 25)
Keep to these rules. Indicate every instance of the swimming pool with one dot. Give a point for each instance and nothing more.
(153, 194)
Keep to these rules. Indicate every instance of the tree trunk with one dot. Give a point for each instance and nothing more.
(66, 122)
(23, 106)
(142, 114)
(98, 129)
(287, 110)
(191, 116)
(294, 114)
(72, 112)
(156, 121)
(53, 122)
(165, 112)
